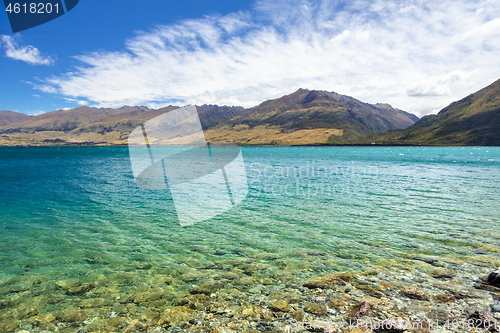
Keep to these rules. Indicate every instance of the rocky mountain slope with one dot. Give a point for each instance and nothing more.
(310, 117)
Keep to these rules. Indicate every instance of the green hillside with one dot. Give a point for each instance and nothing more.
(474, 120)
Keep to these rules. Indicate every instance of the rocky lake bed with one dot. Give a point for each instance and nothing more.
(259, 294)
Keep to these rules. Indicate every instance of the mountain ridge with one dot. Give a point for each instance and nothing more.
(310, 117)
(10, 117)
(304, 117)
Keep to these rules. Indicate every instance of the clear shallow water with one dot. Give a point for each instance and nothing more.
(76, 213)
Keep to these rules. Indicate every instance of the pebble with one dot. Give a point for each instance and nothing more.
(280, 305)
(328, 281)
(359, 310)
(494, 278)
(315, 308)
(414, 292)
(208, 288)
(443, 274)
(72, 315)
(174, 315)
(298, 315)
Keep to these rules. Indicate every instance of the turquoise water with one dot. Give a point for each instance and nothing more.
(76, 213)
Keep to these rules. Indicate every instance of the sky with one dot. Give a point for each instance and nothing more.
(417, 55)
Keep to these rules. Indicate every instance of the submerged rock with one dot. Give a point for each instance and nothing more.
(72, 315)
(147, 296)
(174, 315)
(208, 288)
(357, 311)
(73, 287)
(280, 305)
(10, 325)
(414, 292)
(316, 309)
(494, 278)
(249, 311)
(443, 274)
(444, 298)
(298, 315)
(329, 281)
(43, 320)
(254, 267)
(230, 276)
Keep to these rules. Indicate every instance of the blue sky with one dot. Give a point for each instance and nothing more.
(416, 55)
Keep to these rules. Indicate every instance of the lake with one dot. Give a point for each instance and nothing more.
(82, 246)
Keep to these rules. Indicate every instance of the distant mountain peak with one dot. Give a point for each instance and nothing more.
(310, 117)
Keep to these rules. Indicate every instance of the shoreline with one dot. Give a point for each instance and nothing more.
(86, 144)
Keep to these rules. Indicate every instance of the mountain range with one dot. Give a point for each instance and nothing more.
(92, 126)
(305, 117)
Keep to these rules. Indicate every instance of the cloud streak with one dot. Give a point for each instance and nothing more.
(28, 53)
(417, 55)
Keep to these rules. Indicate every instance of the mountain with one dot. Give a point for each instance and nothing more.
(9, 117)
(474, 120)
(89, 125)
(309, 117)
(306, 117)
(211, 115)
(66, 120)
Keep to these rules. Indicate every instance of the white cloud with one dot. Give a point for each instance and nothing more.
(27, 53)
(418, 56)
(77, 101)
(37, 113)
